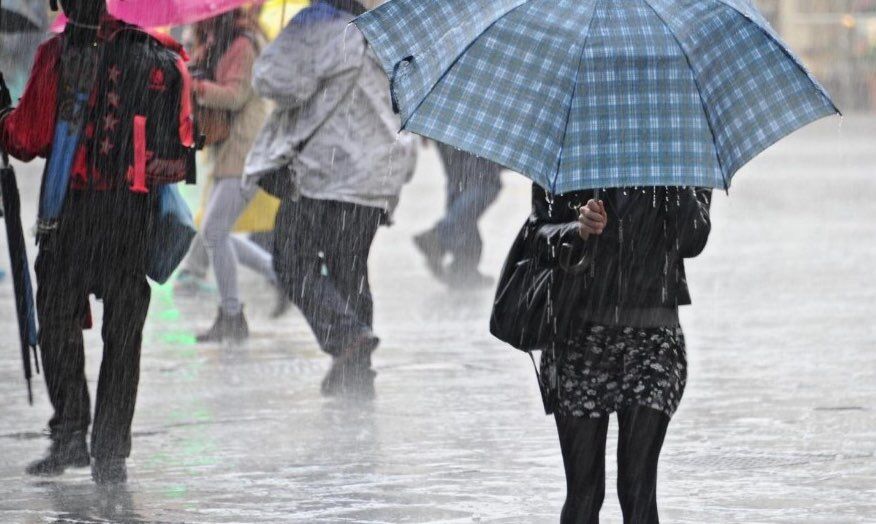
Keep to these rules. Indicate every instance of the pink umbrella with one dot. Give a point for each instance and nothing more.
(155, 13)
(159, 13)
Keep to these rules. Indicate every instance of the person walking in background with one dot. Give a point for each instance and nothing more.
(108, 105)
(473, 184)
(229, 109)
(333, 135)
(618, 347)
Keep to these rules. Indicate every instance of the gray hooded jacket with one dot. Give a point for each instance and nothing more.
(325, 82)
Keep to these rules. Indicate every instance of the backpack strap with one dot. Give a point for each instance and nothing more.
(186, 111)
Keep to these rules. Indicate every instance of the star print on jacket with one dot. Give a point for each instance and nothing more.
(105, 146)
(114, 73)
(110, 122)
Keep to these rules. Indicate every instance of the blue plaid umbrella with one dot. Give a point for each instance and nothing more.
(580, 94)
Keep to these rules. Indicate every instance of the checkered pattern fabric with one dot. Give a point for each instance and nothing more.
(582, 94)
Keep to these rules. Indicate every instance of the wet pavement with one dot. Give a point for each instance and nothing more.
(778, 423)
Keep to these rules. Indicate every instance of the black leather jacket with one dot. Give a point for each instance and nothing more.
(632, 274)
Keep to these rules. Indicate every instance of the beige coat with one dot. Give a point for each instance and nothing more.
(232, 91)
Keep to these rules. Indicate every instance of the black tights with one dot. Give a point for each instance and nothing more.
(582, 441)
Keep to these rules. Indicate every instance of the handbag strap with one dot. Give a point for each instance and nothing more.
(534, 366)
(353, 83)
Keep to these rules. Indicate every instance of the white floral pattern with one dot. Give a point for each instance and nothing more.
(604, 369)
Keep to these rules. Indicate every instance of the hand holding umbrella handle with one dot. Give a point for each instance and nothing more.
(5, 96)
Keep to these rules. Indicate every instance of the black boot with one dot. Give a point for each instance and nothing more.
(283, 303)
(64, 453)
(351, 372)
(227, 327)
(109, 471)
(430, 247)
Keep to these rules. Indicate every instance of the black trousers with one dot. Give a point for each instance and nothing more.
(98, 248)
(321, 250)
(473, 184)
(640, 438)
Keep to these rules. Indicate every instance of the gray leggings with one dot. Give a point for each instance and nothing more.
(215, 241)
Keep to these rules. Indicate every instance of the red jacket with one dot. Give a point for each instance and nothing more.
(27, 131)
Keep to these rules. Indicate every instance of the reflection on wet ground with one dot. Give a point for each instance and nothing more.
(778, 423)
(84, 503)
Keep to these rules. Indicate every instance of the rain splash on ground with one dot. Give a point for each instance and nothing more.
(778, 423)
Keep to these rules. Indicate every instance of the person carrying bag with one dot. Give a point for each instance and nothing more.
(227, 48)
(331, 152)
(594, 283)
(109, 105)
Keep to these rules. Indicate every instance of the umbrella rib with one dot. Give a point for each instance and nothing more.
(724, 175)
(553, 187)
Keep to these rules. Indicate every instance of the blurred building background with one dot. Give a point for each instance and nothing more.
(837, 40)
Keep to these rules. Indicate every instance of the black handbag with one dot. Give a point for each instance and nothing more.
(279, 183)
(535, 294)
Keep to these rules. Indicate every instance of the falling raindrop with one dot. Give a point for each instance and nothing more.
(344, 43)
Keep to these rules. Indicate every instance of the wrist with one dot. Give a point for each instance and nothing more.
(199, 87)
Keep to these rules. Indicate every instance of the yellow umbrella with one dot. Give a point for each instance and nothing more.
(277, 13)
(259, 216)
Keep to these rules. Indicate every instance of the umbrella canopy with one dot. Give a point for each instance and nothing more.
(163, 13)
(155, 13)
(274, 16)
(580, 94)
(17, 16)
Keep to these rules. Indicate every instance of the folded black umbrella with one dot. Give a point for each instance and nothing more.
(24, 304)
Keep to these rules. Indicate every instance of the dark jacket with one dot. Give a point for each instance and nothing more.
(632, 274)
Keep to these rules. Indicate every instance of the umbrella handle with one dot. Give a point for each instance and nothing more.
(596, 240)
(5, 95)
(5, 99)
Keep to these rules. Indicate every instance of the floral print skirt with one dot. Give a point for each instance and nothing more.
(606, 368)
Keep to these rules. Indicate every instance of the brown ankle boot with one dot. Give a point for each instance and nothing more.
(233, 328)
